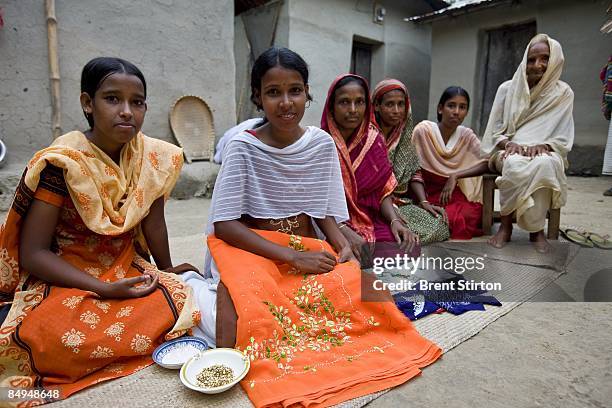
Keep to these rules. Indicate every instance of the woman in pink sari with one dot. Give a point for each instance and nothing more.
(366, 170)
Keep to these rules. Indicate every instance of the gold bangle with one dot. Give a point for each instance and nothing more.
(424, 201)
(341, 225)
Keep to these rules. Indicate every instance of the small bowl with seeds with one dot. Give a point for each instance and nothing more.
(215, 370)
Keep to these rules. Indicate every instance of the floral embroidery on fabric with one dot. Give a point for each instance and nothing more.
(115, 330)
(114, 368)
(106, 259)
(95, 272)
(154, 160)
(139, 196)
(119, 272)
(101, 352)
(320, 327)
(73, 339)
(110, 171)
(84, 200)
(68, 214)
(196, 317)
(124, 311)
(295, 242)
(176, 161)
(9, 268)
(117, 243)
(64, 242)
(34, 159)
(92, 242)
(73, 154)
(140, 343)
(73, 301)
(104, 306)
(90, 318)
(87, 154)
(104, 191)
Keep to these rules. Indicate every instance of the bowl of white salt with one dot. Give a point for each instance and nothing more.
(174, 353)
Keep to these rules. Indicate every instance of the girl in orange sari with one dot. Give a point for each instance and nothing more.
(84, 303)
(301, 318)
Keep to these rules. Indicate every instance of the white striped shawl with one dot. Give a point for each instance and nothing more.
(270, 183)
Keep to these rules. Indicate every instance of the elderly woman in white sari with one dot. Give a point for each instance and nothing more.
(528, 137)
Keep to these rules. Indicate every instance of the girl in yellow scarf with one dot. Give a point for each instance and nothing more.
(84, 303)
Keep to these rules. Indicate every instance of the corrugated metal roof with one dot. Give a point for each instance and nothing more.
(458, 7)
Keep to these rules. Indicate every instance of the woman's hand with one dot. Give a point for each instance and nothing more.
(434, 210)
(126, 288)
(403, 236)
(346, 254)
(313, 262)
(447, 190)
(355, 240)
(184, 267)
(533, 151)
(512, 148)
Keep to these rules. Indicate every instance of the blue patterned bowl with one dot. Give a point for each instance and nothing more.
(174, 353)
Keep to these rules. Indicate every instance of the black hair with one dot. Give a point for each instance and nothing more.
(451, 92)
(345, 81)
(98, 69)
(274, 57)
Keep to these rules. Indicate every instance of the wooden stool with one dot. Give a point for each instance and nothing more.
(489, 215)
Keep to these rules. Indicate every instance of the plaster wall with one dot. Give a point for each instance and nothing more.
(322, 33)
(182, 47)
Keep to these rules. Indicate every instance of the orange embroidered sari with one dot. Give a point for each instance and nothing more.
(68, 339)
(311, 339)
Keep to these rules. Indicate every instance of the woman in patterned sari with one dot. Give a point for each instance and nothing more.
(392, 115)
(366, 171)
(85, 305)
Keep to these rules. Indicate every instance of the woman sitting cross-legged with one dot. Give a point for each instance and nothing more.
(393, 116)
(450, 158)
(367, 173)
(289, 299)
(85, 303)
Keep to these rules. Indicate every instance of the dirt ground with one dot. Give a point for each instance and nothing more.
(553, 352)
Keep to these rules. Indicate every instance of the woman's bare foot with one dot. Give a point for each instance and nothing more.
(539, 242)
(503, 233)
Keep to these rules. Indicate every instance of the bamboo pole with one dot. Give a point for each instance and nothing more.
(54, 72)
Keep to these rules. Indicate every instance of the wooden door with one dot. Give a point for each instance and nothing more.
(504, 48)
(361, 59)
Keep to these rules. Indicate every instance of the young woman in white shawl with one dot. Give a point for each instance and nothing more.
(528, 137)
(278, 177)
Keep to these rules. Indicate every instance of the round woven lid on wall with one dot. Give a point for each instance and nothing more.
(192, 124)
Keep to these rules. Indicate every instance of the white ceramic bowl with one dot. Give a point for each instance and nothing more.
(174, 353)
(2, 153)
(232, 358)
